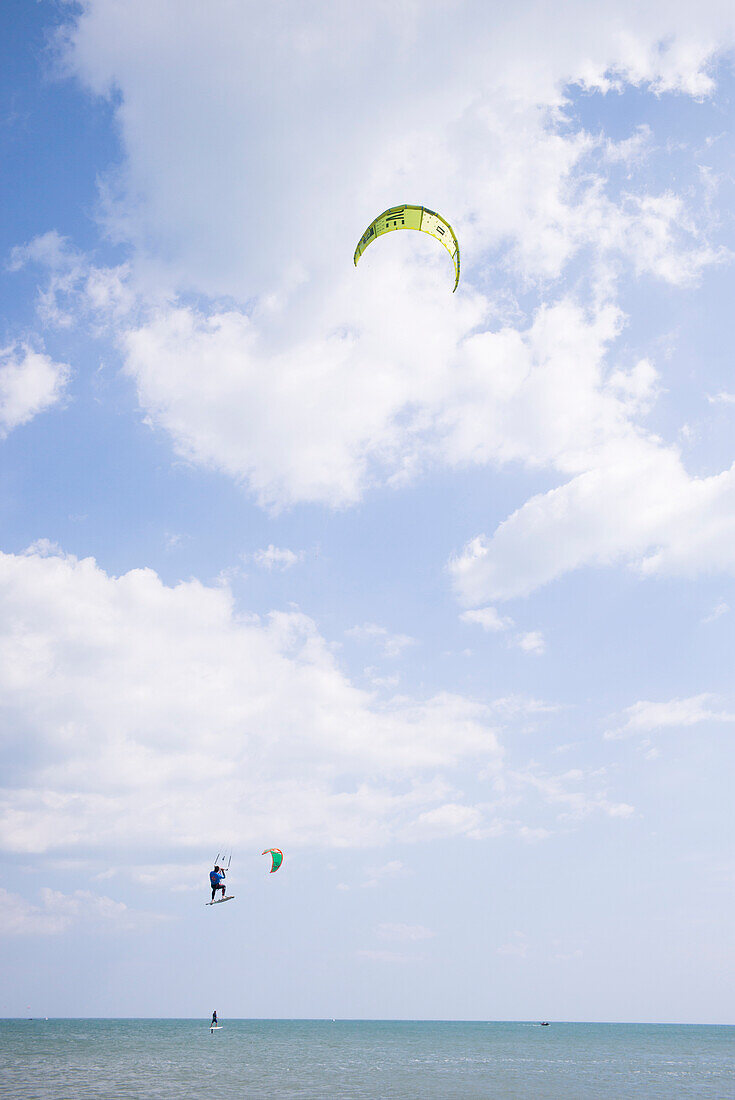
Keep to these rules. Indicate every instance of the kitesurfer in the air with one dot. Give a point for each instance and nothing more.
(216, 879)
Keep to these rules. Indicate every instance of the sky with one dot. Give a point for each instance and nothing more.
(432, 591)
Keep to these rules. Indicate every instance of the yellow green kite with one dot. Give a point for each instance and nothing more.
(413, 217)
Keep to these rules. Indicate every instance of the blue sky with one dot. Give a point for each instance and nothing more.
(434, 592)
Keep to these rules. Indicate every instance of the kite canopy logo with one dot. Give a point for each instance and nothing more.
(413, 217)
(276, 855)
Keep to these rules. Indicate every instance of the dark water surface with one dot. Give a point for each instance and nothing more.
(347, 1060)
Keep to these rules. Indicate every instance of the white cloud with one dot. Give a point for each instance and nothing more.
(58, 912)
(391, 869)
(127, 704)
(173, 540)
(205, 173)
(637, 387)
(76, 289)
(30, 383)
(391, 645)
(717, 612)
(362, 403)
(515, 705)
(488, 618)
(424, 387)
(635, 504)
(175, 878)
(274, 557)
(134, 710)
(542, 396)
(229, 391)
(532, 642)
(49, 249)
(532, 836)
(64, 266)
(390, 682)
(647, 717)
(632, 150)
(451, 819)
(565, 790)
(297, 355)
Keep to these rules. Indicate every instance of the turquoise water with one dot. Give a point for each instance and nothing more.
(346, 1060)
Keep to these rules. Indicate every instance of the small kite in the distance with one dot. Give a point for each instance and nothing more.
(276, 855)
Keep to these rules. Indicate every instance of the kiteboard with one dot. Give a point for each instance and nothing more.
(220, 900)
(217, 1027)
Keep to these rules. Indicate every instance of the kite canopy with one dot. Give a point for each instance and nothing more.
(276, 855)
(412, 217)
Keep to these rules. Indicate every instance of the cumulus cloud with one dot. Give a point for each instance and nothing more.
(362, 406)
(263, 354)
(30, 383)
(544, 396)
(351, 400)
(207, 184)
(633, 502)
(208, 201)
(127, 703)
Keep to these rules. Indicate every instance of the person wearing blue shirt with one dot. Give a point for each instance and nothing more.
(216, 881)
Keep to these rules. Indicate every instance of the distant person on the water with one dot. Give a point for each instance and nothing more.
(214, 1019)
(216, 880)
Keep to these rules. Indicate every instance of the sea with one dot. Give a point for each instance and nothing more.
(365, 1059)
